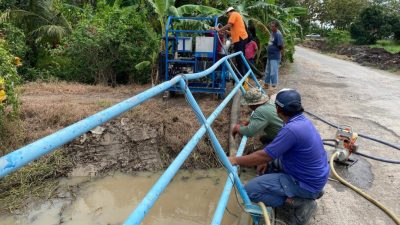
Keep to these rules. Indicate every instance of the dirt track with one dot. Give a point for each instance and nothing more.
(368, 100)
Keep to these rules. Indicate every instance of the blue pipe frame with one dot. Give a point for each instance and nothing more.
(21, 157)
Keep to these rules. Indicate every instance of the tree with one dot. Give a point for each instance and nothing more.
(313, 8)
(371, 25)
(40, 20)
(340, 13)
(165, 8)
(263, 12)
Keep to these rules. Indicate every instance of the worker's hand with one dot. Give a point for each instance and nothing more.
(212, 28)
(244, 122)
(235, 129)
(262, 168)
(232, 160)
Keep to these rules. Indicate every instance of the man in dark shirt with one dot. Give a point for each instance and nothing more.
(299, 149)
(275, 52)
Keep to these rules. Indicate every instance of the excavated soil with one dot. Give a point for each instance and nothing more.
(364, 55)
(146, 138)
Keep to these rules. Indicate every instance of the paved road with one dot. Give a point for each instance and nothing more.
(369, 100)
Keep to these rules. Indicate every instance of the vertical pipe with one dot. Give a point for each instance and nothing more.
(148, 201)
(234, 76)
(218, 148)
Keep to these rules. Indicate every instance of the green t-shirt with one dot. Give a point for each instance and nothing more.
(264, 121)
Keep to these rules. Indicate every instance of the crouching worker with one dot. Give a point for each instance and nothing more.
(264, 121)
(299, 149)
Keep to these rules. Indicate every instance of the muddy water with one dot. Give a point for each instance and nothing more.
(190, 199)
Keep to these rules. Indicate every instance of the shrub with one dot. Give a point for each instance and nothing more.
(14, 39)
(371, 25)
(336, 37)
(8, 80)
(106, 47)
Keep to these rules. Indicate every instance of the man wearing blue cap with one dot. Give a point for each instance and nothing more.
(299, 149)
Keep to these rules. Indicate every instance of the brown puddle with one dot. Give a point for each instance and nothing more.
(190, 199)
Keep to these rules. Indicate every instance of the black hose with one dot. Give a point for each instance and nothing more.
(360, 135)
(370, 156)
(378, 158)
(329, 144)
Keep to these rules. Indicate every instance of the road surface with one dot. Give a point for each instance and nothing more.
(369, 100)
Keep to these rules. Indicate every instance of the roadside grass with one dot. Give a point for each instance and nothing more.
(389, 45)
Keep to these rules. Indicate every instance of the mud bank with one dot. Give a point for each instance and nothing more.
(146, 138)
(364, 55)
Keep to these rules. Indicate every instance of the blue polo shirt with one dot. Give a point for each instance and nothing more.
(300, 149)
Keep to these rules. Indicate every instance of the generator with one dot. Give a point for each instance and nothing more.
(192, 51)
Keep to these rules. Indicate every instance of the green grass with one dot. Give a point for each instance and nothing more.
(388, 45)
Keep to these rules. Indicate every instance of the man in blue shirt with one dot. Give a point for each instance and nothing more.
(275, 51)
(299, 149)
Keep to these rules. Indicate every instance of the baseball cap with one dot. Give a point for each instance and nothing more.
(229, 9)
(289, 100)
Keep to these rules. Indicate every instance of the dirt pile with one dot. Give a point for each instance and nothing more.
(376, 57)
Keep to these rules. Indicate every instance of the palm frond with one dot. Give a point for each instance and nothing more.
(49, 33)
(18, 15)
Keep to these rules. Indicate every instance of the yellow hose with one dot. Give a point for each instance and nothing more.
(359, 191)
(265, 213)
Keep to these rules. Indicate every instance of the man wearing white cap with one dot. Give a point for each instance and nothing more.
(238, 33)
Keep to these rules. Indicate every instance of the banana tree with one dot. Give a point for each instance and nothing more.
(261, 13)
(165, 8)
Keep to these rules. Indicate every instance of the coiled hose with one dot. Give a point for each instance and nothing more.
(360, 192)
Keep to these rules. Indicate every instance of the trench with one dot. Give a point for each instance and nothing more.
(190, 199)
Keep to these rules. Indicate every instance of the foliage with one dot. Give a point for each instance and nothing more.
(306, 20)
(262, 13)
(395, 22)
(40, 20)
(337, 37)
(8, 80)
(340, 13)
(371, 25)
(14, 39)
(388, 45)
(105, 47)
(165, 8)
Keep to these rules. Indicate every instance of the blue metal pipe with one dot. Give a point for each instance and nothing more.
(218, 148)
(230, 69)
(33, 151)
(148, 201)
(252, 73)
(223, 201)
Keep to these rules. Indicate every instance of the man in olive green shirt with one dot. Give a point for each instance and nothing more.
(264, 121)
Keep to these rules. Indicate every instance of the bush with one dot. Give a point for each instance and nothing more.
(337, 37)
(14, 39)
(106, 47)
(8, 80)
(372, 24)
